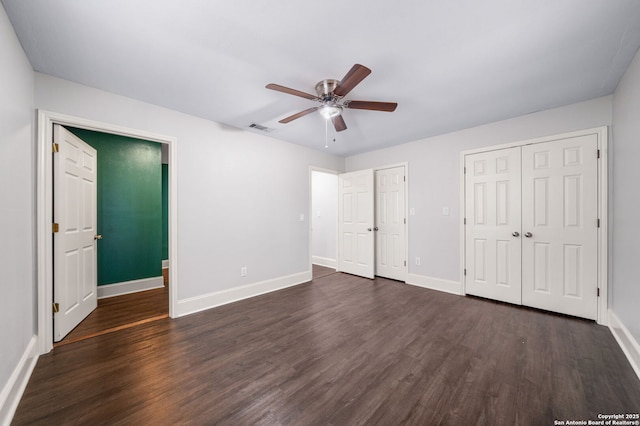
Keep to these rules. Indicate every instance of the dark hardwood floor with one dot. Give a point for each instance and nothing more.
(119, 312)
(321, 271)
(340, 350)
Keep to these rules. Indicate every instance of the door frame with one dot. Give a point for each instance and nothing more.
(310, 215)
(602, 134)
(44, 212)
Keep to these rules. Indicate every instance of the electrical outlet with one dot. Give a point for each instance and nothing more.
(243, 271)
(417, 260)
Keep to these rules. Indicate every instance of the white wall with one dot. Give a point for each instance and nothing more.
(625, 200)
(17, 248)
(240, 194)
(434, 176)
(324, 216)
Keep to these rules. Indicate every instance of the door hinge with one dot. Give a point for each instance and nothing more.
(405, 220)
(465, 271)
(405, 263)
(404, 178)
(56, 308)
(598, 222)
(598, 154)
(464, 170)
(465, 221)
(598, 291)
(55, 227)
(56, 147)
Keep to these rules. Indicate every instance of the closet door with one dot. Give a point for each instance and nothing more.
(492, 232)
(559, 226)
(390, 223)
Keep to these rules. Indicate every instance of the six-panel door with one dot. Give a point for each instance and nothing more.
(492, 211)
(559, 221)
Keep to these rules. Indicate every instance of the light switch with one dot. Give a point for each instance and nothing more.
(445, 211)
(412, 211)
(301, 217)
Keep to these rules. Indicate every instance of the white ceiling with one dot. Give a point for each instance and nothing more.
(450, 64)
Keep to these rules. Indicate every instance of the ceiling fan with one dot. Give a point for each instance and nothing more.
(330, 93)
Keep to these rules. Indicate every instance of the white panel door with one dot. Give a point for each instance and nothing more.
(492, 232)
(559, 225)
(74, 246)
(390, 223)
(355, 223)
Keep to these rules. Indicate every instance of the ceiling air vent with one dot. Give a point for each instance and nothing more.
(259, 127)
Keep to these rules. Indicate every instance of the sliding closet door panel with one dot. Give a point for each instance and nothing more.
(559, 226)
(492, 232)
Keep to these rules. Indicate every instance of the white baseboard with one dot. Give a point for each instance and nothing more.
(222, 297)
(165, 264)
(627, 342)
(324, 261)
(453, 287)
(134, 286)
(14, 388)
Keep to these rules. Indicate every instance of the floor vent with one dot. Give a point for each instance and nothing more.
(259, 127)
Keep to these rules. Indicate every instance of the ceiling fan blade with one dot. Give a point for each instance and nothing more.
(338, 123)
(290, 91)
(356, 74)
(298, 115)
(370, 105)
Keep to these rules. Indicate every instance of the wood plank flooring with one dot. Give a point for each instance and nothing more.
(119, 312)
(340, 350)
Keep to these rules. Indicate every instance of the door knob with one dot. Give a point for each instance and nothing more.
(369, 229)
(516, 234)
(375, 229)
(528, 234)
(97, 237)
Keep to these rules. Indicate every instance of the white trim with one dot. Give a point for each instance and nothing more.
(44, 200)
(14, 388)
(603, 141)
(230, 295)
(165, 264)
(324, 261)
(128, 287)
(627, 342)
(447, 286)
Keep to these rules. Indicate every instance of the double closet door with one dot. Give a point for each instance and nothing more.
(531, 225)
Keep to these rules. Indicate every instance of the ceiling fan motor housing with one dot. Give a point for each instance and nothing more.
(325, 89)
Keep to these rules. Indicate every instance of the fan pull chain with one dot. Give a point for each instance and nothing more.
(326, 133)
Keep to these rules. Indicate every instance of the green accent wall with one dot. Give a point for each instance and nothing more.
(165, 211)
(130, 210)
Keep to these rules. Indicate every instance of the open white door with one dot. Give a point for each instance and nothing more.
(559, 225)
(492, 212)
(390, 223)
(74, 245)
(355, 223)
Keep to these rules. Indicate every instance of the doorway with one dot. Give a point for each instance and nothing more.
(535, 223)
(125, 222)
(46, 121)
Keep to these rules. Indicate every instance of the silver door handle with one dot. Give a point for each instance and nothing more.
(369, 229)
(528, 234)
(516, 234)
(97, 237)
(375, 229)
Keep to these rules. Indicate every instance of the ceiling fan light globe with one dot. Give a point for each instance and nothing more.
(330, 111)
